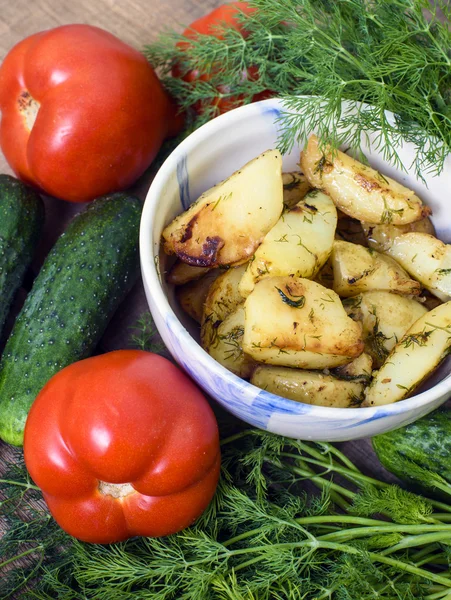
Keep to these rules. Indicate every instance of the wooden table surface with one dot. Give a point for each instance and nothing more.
(137, 22)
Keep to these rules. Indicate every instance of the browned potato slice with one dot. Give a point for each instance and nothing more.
(296, 322)
(299, 243)
(226, 345)
(193, 294)
(381, 237)
(181, 273)
(414, 358)
(385, 318)
(228, 222)
(295, 187)
(358, 269)
(222, 299)
(427, 259)
(358, 190)
(309, 387)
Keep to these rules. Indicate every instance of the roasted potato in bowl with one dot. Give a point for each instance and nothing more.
(357, 269)
(309, 387)
(298, 245)
(300, 311)
(385, 317)
(222, 299)
(427, 259)
(423, 347)
(212, 154)
(296, 322)
(228, 222)
(358, 190)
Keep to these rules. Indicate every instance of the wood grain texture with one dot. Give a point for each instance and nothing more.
(137, 22)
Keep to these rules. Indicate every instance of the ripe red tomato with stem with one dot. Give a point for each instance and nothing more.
(83, 113)
(123, 444)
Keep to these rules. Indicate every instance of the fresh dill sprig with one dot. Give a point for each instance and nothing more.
(267, 535)
(144, 335)
(265, 538)
(400, 505)
(378, 56)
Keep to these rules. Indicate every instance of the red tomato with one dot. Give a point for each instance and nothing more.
(210, 24)
(83, 114)
(123, 444)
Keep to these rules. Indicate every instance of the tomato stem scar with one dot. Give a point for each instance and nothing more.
(116, 490)
(29, 108)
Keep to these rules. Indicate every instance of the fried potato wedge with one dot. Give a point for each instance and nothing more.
(308, 387)
(181, 273)
(193, 294)
(228, 222)
(413, 358)
(358, 269)
(295, 187)
(296, 322)
(427, 259)
(299, 243)
(381, 237)
(226, 346)
(385, 318)
(222, 299)
(358, 190)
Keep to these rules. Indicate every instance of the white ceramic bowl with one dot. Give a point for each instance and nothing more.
(206, 157)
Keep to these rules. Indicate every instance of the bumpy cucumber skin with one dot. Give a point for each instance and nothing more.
(84, 278)
(426, 443)
(21, 222)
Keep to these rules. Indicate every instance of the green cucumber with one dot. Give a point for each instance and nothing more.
(92, 266)
(21, 221)
(420, 453)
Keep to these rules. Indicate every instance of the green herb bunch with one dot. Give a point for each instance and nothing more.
(291, 520)
(391, 55)
(268, 536)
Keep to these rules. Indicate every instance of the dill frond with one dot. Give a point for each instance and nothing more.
(262, 538)
(400, 505)
(378, 57)
(144, 335)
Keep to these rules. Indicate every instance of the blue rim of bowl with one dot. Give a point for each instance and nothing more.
(149, 249)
